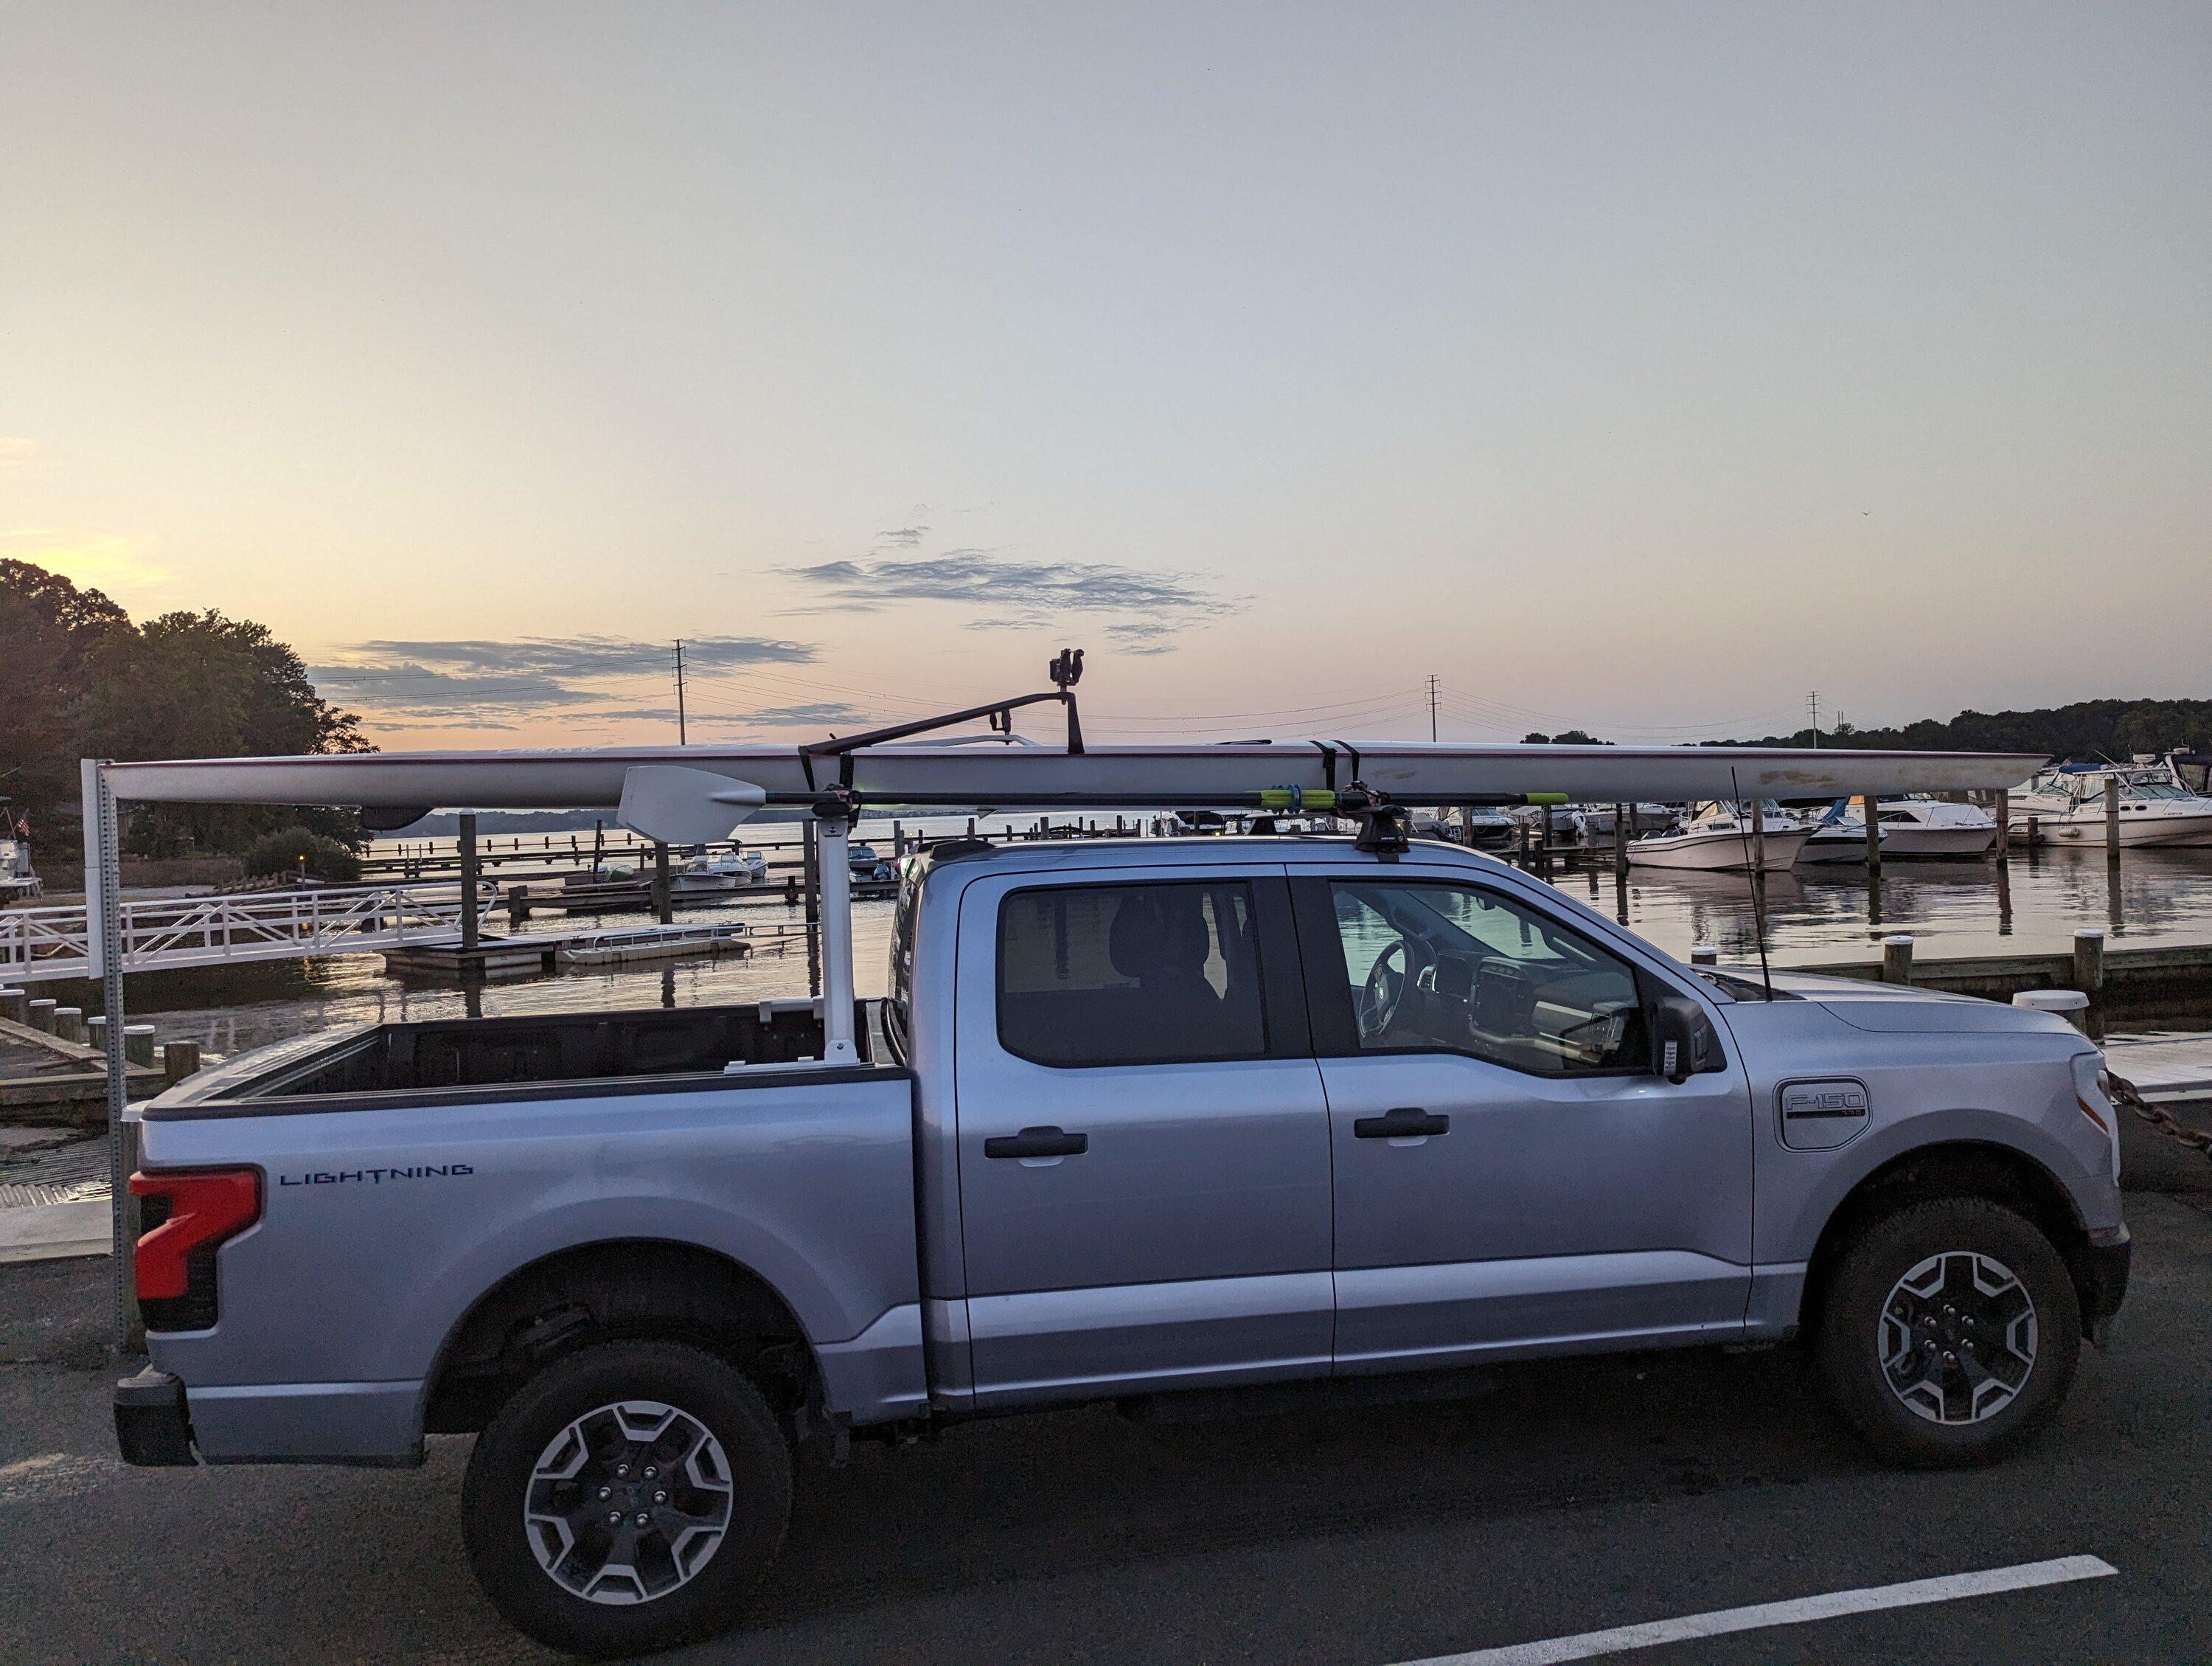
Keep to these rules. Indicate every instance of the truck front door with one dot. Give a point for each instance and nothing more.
(1144, 1146)
(1510, 1173)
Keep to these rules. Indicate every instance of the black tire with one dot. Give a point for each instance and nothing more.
(575, 1391)
(1953, 1359)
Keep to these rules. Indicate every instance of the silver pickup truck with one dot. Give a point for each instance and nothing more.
(1136, 1117)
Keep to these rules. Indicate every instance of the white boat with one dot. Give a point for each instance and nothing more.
(1840, 838)
(1717, 840)
(1597, 823)
(711, 872)
(2066, 806)
(1922, 826)
(652, 943)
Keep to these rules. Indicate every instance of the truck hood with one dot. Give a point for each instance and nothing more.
(1896, 1008)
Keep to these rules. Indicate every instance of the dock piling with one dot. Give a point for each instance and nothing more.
(138, 1044)
(2112, 818)
(69, 1024)
(180, 1059)
(41, 1013)
(469, 870)
(1897, 957)
(15, 1006)
(2089, 959)
(2004, 823)
(1871, 810)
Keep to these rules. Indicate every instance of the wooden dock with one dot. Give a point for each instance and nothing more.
(2176, 1070)
(2163, 980)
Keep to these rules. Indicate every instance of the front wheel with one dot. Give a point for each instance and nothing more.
(628, 1498)
(1950, 1333)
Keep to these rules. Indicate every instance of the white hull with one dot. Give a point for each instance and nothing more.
(2136, 830)
(1905, 839)
(1822, 850)
(1708, 851)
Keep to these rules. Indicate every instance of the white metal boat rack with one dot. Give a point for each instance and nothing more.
(698, 794)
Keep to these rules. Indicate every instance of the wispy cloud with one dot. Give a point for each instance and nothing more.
(473, 678)
(586, 657)
(903, 537)
(1143, 608)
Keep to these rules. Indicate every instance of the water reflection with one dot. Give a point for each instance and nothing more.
(2032, 905)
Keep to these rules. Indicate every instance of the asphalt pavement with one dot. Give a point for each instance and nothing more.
(1546, 1500)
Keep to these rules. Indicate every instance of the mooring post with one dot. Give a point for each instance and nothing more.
(1897, 958)
(1704, 954)
(2004, 823)
(1759, 835)
(663, 897)
(2112, 818)
(469, 870)
(1622, 815)
(1871, 810)
(15, 1006)
(39, 1013)
(2089, 960)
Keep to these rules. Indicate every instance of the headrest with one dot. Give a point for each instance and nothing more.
(1163, 931)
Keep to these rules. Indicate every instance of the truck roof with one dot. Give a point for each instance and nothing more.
(1044, 855)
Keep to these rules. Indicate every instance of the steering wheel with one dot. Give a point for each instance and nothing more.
(1385, 991)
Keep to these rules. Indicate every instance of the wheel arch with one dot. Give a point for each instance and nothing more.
(1999, 1174)
(627, 1288)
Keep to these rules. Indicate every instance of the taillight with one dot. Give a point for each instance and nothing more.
(189, 1216)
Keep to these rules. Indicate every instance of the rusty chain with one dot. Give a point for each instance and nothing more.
(2125, 1092)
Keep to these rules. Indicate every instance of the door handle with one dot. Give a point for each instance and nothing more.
(1403, 1123)
(1037, 1142)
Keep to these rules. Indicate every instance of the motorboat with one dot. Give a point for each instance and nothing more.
(1598, 823)
(712, 872)
(1481, 830)
(2067, 806)
(1717, 839)
(1923, 826)
(1839, 837)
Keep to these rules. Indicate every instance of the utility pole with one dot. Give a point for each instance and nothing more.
(681, 739)
(1432, 705)
(1813, 705)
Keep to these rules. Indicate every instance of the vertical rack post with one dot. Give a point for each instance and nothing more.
(103, 919)
(836, 871)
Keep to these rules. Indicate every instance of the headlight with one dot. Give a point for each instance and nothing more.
(2092, 1097)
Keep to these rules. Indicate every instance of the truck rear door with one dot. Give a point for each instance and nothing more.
(1510, 1173)
(1144, 1146)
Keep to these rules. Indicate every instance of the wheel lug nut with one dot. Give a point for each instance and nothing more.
(614, 1519)
(622, 1471)
(606, 1492)
(650, 1472)
(660, 1498)
(642, 1518)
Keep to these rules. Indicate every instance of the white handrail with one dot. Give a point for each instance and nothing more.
(41, 943)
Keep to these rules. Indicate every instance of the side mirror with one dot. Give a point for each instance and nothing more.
(1683, 1042)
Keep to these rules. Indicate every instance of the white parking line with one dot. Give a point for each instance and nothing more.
(1797, 1612)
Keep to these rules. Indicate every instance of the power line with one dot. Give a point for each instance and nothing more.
(683, 738)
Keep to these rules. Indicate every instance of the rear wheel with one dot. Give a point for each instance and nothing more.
(1950, 1333)
(628, 1498)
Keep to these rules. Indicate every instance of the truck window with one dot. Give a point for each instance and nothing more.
(1452, 967)
(1122, 975)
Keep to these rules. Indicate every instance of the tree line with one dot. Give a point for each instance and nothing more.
(79, 679)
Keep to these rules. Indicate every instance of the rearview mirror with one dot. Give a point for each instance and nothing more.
(1683, 1041)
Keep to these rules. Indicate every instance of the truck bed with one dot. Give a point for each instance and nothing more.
(536, 1048)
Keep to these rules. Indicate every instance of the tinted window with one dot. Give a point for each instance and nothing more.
(1104, 975)
(1457, 968)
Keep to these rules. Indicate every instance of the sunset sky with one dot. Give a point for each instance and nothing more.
(1637, 367)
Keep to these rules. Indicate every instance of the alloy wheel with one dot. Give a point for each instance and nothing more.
(629, 1502)
(1957, 1337)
